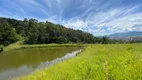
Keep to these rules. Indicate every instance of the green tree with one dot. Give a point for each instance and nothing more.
(105, 40)
(7, 34)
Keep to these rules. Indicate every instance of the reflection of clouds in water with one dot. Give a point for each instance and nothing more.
(24, 70)
(6, 75)
(67, 56)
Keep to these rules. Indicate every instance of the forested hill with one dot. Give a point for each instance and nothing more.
(34, 32)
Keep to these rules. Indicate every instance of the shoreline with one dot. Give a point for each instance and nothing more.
(94, 63)
(19, 45)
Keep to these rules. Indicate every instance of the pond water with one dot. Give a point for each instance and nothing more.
(21, 62)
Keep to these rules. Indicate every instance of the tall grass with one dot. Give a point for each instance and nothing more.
(97, 62)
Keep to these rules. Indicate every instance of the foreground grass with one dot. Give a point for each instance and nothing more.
(97, 62)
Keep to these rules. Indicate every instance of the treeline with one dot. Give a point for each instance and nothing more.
(34, 32)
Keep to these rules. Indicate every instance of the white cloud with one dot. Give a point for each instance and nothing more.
(111, 21)
(105, 22)
(91, 15)
(31, 5)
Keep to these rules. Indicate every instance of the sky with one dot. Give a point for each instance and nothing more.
(99, 17)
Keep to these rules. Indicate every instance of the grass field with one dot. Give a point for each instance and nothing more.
(97, 62)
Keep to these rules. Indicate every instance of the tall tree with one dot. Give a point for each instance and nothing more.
(7, 34)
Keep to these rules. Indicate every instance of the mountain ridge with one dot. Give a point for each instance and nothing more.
(127, 34)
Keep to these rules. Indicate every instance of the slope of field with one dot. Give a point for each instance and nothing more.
(97, 62)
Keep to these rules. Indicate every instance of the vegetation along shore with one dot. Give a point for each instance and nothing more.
(99, 62)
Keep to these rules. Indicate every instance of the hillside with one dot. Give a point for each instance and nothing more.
(34, 32)
(134, 36)
(127, 34)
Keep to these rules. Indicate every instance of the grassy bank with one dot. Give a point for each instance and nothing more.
(20, 45)
(14, 46)
(97, 62)
(52, 45)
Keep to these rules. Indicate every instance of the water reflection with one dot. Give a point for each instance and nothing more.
(21, 62)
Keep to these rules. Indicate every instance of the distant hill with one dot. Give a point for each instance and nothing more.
(134, 36)
(126, 34)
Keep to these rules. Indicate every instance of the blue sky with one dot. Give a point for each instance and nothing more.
(99, 17)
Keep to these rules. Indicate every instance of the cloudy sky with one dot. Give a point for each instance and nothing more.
(99, 17)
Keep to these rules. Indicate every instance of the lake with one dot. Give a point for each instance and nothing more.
(24, 61)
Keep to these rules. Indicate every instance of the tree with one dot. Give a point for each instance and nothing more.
(105, 40)
(7, 34)
(34, 32)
